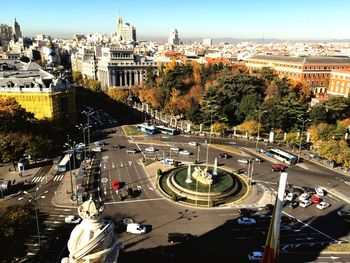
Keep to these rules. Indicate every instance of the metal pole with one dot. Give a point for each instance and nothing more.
(211, 120)
(70, 170)
(198, 149)
(37, 220)
(209, 196)
(301, 136)
(84, 142)
(257, 138)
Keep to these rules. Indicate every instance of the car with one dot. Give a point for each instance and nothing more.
(132, 150)
(322, 205)
(277, 167)
(258, 160)
(344, 213)
(316, 199)
(174, 148)
(297, 190)
(255, 256)
(247, 221)
(246, 211)
(193, 143)
(130, 192)
(319, 191)
(184, 152)
(309, 190)
(224, 155)
(291, 196)
(135, 228)
(269, 208)
(179, 237)
(288, 220)
(305, 203)
(233, 143)
(293, 204)
(72, 219)
(97, 149)
(116, 146)
(115, 185)
(100, 143)
(150, 149)
(244, 161)
(304, 196)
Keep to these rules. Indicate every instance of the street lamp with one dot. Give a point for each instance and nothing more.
(260, 112)
(71, 149)
(35, 198)
(83, 128)
(301, 135)
(211, 129)
(88, 114)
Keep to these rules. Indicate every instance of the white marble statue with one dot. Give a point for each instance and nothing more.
(202, 176)
(94, 239)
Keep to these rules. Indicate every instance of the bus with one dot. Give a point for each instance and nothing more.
(146, 128)
(166, 130)
(63, 165)
(282, 156)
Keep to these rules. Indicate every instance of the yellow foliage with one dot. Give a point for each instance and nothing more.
(249, 126)
(219, 127)
(118, 94)
(345, 123)
(170, 66)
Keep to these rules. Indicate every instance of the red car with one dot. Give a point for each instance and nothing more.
(115, 185)
(316, 199)
(276, 167)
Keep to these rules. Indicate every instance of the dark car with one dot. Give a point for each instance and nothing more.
(130, 192)
(246, 211)
(297, 190)
(276, 167)
(224, 155)
(288, 220)
(293, 204)
(116, 146)
(269, 208)
(132, 150)
(179, 237)
(310, 190)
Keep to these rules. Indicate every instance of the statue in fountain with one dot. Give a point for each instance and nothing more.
(202, 176)
(94, 239)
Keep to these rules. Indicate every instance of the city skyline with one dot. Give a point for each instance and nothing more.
(289, 20)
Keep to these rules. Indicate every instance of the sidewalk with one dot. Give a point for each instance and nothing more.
(62, 196)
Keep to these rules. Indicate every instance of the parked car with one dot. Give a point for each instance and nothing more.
(309, 190)
(258, 160)
(344, 213)
(297, 190)
(293, 204)
(135, 228)
(193, 143)
(246, 211)
(276, 167)
(288, 220)
(97, 149)
(323, 205)
(246, 221)
(116, 146)
(255, 256)
(132, 150)
(304, 196)
(305, 203)
(319, 191)
(72, 219)
(291, 196)
(115, 185)
(316, 199)
(150, 149)
(174, 148)
(130, 192)
(224, 155)
(178, 237)
(244, 161)
(184, 152)
(269, 208)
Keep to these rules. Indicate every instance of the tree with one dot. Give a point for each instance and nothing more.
(268, 73)
(150, 78)
(118, 94)
(292, 138)
(77, 77)
(38, 147)
(272, 90)
(249, 126)
(220, 128)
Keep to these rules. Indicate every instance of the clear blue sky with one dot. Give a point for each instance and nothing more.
(283, 19)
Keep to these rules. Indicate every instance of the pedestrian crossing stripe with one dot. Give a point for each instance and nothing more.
(58, 177)
(38, 179)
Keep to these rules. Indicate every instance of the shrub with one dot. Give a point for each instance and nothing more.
(159, 172)
(174, 197)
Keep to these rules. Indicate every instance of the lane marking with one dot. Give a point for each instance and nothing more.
(135, 201)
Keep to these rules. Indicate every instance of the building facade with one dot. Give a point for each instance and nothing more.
(126, 32)
(339, 83)
(37, 91)
(119, 67)
(174, 37)
(315, 71)
(5, 35)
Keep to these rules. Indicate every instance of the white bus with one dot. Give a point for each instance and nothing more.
(282, 156)
(63, 166)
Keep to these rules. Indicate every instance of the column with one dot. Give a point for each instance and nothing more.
(125, 80)
(114, 82)
(141, 78)
(120, 79)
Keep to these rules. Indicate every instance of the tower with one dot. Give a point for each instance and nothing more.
(174, 37)
(119, 25)
(16, 30)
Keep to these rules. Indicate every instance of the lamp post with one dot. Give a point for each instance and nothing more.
(70, 167)
(301, 135)
(211, 124)
(35, 198)
(88, 114)
(260, 112)
(83, 128)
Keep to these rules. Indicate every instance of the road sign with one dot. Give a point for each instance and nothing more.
(104, 180)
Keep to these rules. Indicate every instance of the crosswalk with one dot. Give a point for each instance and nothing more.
(40, 179)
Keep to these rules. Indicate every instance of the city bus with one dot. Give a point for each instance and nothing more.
(63, 165)
(282, 156)
(166, 130)
(149, 129)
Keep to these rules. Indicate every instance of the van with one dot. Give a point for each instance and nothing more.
(135, 228)
(168, 161)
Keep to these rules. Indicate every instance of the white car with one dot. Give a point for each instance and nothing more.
(150, 149)
(97, 149)
(72, 219)
(304, 197)
(184, 152)
(246, 221)
(322, 205)
(305, 203)
(245, 161)
(290, 197)
(319, 191)
(193, 143)
(134, 228)
(255, 256)
(174, 148)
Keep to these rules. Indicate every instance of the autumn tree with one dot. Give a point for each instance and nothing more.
(272, 90)
(249, 126)
(118, 94)
(77, 77)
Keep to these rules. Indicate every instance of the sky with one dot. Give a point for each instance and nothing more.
(278, 19)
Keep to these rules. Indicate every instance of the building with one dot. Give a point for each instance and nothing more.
(38, 91)
(207, 42)
(174, 37)
(84, 61)
(126, 32)
(5, 35)
(120, 67)
(313, 70)
(17, 33)
(339, 83)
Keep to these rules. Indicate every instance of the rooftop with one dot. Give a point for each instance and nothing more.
(304, 60)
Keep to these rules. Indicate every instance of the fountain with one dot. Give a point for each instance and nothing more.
(188, 179)
(215, 170)
(202, 176)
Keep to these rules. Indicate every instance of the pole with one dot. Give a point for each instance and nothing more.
(196, 192)
(259, 118)
(251, 174)
(209, 196)
(301, 136)
(84, 143)
(211, 120)
(70, 170)
(37, 220)
(198, 150)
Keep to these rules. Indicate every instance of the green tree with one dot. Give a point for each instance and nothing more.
(268, 73)
(38, 147)
(150, 78)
